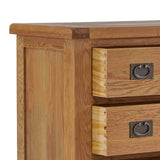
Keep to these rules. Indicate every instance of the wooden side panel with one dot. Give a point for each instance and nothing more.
(99, 141)
(117, 129)
(44, 105)
(99, 72)
(20, 99)
(45, 98)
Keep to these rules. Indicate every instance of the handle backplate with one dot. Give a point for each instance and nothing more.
(141, 71)
(141, 129)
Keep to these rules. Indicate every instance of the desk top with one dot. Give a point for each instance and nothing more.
(89, 30)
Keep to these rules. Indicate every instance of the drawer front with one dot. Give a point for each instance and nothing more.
(125, 130)
(126, 72)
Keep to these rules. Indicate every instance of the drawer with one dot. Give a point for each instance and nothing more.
(126, 72)
(125, 130)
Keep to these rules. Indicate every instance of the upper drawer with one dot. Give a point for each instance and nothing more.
(126, 72)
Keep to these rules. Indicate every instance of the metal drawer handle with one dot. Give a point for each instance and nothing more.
(141, 71)
(141, 129)
(138, 127)
(142, 68)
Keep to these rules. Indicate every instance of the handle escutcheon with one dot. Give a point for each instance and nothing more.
(141, 71)
(141, 129)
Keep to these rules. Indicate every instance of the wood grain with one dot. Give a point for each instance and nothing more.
(69, 101)
(80, 33)
(99, 72)
(124, 32)
(49, 31)
(92, 30)
(43, 43)
(126, 42)
(117, 129)
(44, 106)
(46, 121)
(21, 146)
(76, 84)
(99, 141)
(83, 99)
(117, 82)
(41, 31)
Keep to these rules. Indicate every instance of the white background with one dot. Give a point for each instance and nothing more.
(20, 11)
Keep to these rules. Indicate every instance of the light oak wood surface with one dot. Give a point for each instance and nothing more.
(112, 132)
(99, 72)
(44, 43)
(92, 30)
(72, 110)
(21, 107)
(73, 114)
(99, 141)
(69, 101)
(44, 108)
(111, 72)
(83, 99)
(44, 76)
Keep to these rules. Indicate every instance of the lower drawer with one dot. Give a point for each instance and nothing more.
(125, 129)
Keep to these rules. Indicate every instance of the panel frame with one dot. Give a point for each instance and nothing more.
(21, 144)
(61, 46)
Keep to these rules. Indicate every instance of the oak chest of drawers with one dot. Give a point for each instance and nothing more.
(88, 91)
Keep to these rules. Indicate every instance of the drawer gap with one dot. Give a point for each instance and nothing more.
(125, 101)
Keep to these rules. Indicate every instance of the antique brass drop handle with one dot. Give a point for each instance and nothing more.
(141, 128)
(142, 67)
(138, 126)
(141, 71)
